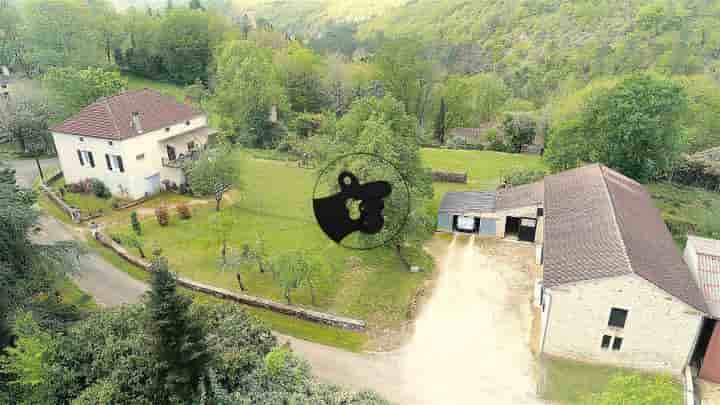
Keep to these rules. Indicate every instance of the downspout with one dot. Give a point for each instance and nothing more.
(547, 300)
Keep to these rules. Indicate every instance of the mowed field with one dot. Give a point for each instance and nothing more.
(485, 168)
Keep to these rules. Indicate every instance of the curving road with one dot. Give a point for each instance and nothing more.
(470, 345)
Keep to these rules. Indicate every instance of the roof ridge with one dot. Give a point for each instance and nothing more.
(626, 255)
(112, 117)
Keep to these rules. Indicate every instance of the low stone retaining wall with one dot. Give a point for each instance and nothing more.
(449, 177)
(55, 177)
(73, 213)
(306, 314)
(132, 203)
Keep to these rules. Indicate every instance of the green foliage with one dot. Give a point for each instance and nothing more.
(214, 166)
(294, 270)
(519, 129)
(184, 44)
(99, 189)
(626, 388)
(25, 118)
(522, 175)
(473, 100)
(633, 127)
(300, 70)
(441, 122)
(248, 86)
(24, 361)
(135, 223)
(176, 337)
(383, 128)
(71, 89)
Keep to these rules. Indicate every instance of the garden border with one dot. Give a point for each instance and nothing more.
(292, 310)
(73, 213)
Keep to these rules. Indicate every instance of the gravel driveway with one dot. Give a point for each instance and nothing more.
(471, 340)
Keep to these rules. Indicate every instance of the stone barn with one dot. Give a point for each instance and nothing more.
(615, 289)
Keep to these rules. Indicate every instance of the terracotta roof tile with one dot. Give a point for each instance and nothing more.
(599, 223)
(111, 117)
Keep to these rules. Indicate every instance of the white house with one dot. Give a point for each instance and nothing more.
(133, 142)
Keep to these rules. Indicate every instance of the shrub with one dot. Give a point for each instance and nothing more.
(99, 189)
(183, 211)
(499, 146)
(135, 223)
(522, 175)
(162, 215)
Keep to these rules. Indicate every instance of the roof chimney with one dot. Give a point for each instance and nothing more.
(136, 122)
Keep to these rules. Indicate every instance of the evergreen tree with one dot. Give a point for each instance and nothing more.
(195, 5)
(440, 122)
(177, 339)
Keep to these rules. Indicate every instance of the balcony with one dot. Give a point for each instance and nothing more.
(181, 161)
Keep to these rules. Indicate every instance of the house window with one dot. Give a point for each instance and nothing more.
(110, 143)
(617, 317)
(605, 341)
(187, 122)
(114, 163)
(191, 145)
(86, 157)
(617, 343)
(140, 156)
(82, 139)
(167, 129)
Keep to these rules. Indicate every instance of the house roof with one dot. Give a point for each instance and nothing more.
(521, 196)
(468, 201)
(112, 117)
(600, 224)
(707, 273)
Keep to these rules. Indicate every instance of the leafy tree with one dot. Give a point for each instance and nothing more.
(520, 129)
(135, 223)
(58, 33)
(382, 127)
(25, 119)
(214, 166)
(71, 90)
(294, 270)
(300, 71)
(406, 71)
(195, 5)
(106, 26)
(184, 44)
(248, 86)
(633, 127)
(25, 360)
(176, 337)
(440, 123)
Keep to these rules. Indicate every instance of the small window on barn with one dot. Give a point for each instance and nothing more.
(617, 343)
(82, 139)
(140, 156)
(617, 317)
(187, 122)
(605, 341)
(110, 143)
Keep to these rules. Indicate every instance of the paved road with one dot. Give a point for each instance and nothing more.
(108, 285)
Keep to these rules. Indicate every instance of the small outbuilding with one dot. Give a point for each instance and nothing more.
(469, 212)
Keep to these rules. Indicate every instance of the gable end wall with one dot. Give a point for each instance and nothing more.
(659, 333)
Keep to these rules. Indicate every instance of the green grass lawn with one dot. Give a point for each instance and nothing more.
(685, 209)
(569, 383)
(171, 89)
(275, 201)
(485, 168)
(344, 339)
(88, 203)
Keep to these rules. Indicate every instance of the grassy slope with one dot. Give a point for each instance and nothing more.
(684, 208)
(284, 324)
(484, 168)
(73, 295)
(276, 201)
(568, 382)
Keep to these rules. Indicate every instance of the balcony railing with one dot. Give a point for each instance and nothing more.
(182, 161)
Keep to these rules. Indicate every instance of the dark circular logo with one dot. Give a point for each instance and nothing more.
(361, 201)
